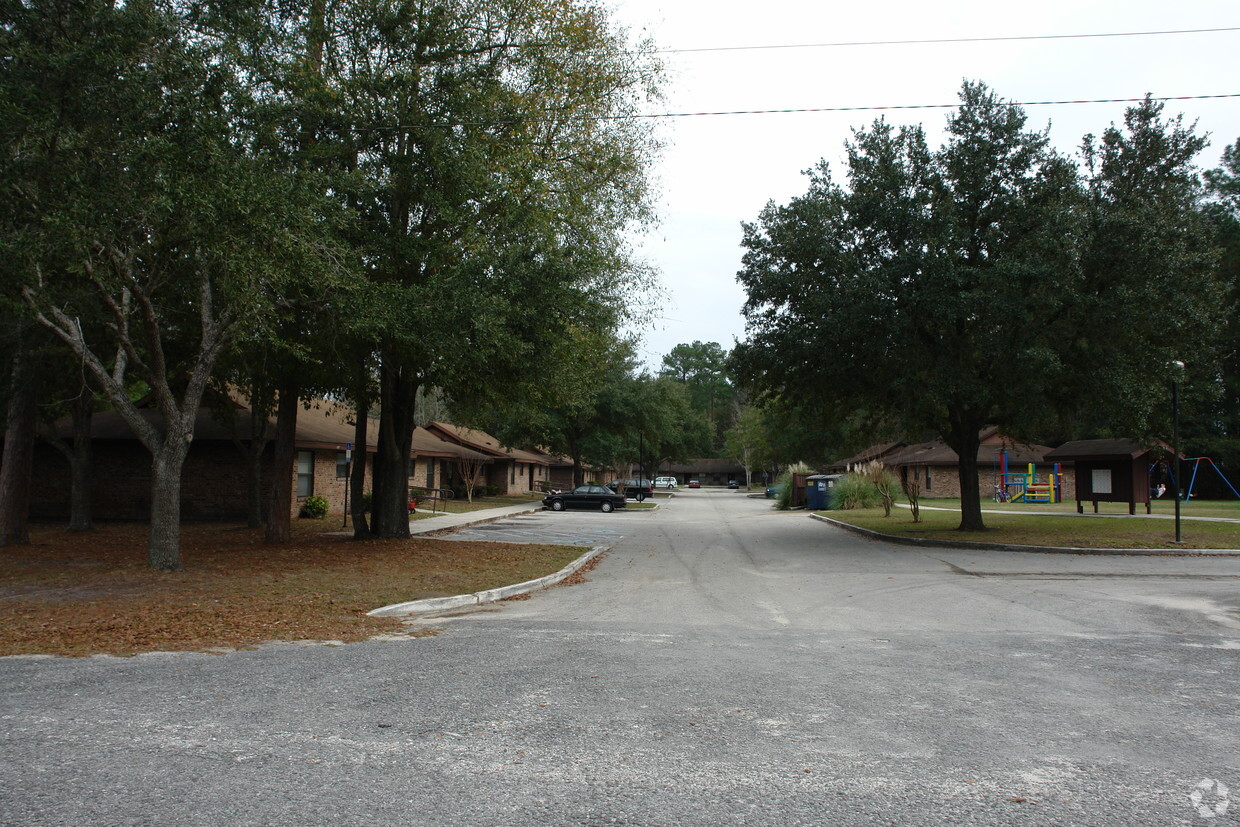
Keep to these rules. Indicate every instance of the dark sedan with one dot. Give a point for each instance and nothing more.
(585, 496)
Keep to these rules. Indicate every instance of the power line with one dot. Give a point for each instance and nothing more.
(930, 41)
(790, 111)
(906, 106)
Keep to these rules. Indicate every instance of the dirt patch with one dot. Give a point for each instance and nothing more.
(92, 593)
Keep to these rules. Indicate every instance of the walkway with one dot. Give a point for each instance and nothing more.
(446, 522)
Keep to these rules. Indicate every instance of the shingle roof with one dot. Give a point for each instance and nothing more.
(484, 442)
(325, 426)
(879, 451)
(1103, 449)
(938, 453)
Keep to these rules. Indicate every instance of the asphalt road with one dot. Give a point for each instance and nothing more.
(723, 665)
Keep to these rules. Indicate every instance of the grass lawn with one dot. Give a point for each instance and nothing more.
(92, 593)
(1228, 509)
(1059, 524)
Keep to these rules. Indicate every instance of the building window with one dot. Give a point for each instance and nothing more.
(928, 485)
(411, 467)
(305, 473)
(430, 472)
(342, 465)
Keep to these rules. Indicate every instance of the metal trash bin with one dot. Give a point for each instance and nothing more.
(818, 491)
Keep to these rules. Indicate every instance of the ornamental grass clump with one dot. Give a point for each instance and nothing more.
(884, 481)
(855, 491)
(783, 498)
(783, 491)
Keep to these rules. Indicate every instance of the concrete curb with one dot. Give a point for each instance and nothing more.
(439, 604)
(976, 545)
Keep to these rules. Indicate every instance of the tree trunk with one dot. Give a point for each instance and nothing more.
(81, 514)
(280, 510)
(965, 441)
(252, 452)
(376, 483)
(389, 502)
(163, 550)
(357, 473)
(18, 456)
(254, 515)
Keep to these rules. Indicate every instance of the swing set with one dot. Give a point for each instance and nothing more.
(1197, 462)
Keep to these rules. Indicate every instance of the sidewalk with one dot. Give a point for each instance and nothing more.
(443, 522)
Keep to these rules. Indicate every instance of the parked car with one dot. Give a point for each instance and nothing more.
(733, 484)
(585, 496)
(694, 484)
(665, 482)
(634, 489)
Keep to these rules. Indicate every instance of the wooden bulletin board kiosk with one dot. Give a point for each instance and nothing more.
(1110, 471)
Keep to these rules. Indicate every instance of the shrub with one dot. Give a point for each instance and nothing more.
(315, 507)
(885, 482)
(912, 490)
(855, 491)
(783, 497)
(783, 492)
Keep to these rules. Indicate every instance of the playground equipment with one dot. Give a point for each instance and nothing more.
(1192, 481)
(1026, 487)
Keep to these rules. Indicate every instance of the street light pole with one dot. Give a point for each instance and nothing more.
(641, 465)
(1175, 444)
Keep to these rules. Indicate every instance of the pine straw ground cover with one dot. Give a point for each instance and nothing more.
(92, 593)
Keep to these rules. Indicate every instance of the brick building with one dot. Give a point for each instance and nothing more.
(508, 470)
(935, 468)
(214, 478)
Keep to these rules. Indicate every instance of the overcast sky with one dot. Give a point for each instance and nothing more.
(718, 171)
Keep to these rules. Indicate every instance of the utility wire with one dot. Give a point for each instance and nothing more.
(907, 106)
(928, 41)
(794, 112)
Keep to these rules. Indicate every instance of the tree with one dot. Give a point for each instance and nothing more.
(670, 428)
(471, 471)
(1153, 292)
(1221, 419)
(986, 283)
(76, 399)
(746, 442)
(15, 469)
(143, 189)
(702, 368)
(494, 175)
(935, 291)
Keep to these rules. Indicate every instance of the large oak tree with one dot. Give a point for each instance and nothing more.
(982, 283)
(146, 211)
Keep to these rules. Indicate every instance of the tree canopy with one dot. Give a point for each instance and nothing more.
(702, 368)
(988, 282)
(390, 195)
